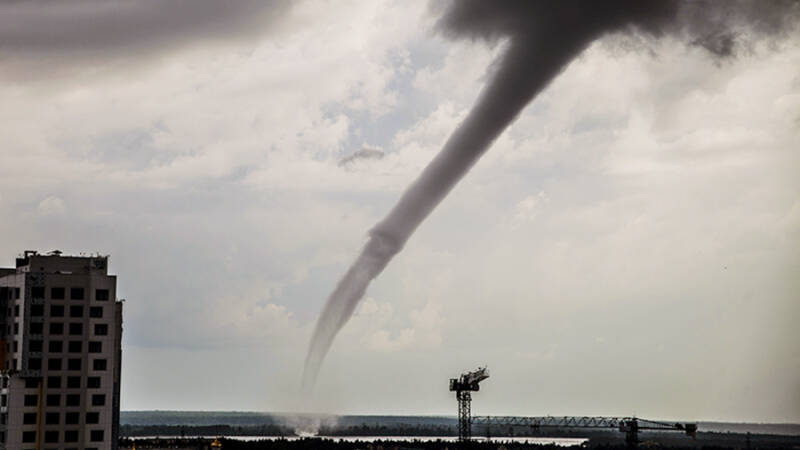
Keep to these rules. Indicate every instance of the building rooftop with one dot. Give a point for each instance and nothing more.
(56, 262)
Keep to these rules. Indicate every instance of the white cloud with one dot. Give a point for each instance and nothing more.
(528, 208)
(382, 340)
(462, 74)
(51, 206)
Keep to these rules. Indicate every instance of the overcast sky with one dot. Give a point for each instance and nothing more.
(630, 245)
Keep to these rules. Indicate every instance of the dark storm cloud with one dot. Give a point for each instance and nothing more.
(75, 32)
(723, 27)
(365, 153)
(714, 25)
(543, 37)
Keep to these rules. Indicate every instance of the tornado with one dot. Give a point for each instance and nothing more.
(540, 39)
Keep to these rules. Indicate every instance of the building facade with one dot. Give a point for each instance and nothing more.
(60, 351)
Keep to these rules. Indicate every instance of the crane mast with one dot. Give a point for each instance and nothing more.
(463, 386)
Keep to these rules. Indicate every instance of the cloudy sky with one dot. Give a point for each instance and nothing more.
(630, 245)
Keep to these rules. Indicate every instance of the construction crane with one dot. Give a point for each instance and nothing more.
(628, 425)
(463, 386)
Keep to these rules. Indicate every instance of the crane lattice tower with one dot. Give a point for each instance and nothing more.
(463, 386)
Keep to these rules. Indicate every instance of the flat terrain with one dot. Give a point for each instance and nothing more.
(192, 430)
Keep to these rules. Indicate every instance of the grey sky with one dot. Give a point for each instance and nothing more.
(629, 245)
(86, 35)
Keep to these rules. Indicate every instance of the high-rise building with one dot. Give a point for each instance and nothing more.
(60, 336)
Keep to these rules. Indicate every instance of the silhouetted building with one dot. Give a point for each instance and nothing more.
(60, 335)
